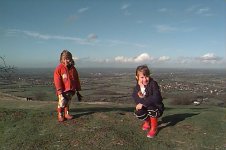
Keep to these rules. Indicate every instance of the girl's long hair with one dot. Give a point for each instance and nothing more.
(146, 72)
(144, 69)
(66, 53)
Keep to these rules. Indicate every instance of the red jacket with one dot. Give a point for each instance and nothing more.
(66, 79)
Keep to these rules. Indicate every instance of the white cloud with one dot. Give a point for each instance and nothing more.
(92, 37)
(144, 57)
(75, 58)
(164, 58)
(168, 29)
(123, 59)
(209, 58)
(82, 10)
(38, 35)
(74, 17)
(184, 60)
(206, 60)
(93, 61)
(203, 11)
(49, 37)
(125, 6)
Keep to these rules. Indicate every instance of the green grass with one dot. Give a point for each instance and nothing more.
(34, 125)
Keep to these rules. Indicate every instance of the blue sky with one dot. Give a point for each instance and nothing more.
(114, 33)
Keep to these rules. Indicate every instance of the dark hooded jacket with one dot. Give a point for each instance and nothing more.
(153, 95)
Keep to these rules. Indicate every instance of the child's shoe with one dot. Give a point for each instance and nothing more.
(66, 113)
(154, 124)
(60, 114)
(145, 125)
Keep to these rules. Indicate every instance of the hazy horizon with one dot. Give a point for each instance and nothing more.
(126, 68)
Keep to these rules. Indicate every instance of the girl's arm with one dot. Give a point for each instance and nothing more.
(58, 82)
(135, 96)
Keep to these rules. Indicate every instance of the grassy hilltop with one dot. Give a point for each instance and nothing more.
(33, 125)
(105, 120)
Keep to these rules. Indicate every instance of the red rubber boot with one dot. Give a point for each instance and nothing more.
(154, 126)
(66, 113)
(146, 124)
(60, 114)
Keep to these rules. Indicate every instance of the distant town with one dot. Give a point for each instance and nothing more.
(116, 85)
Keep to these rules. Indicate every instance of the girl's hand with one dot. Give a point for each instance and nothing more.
(139, 106)
(140, 83)
(140, 94)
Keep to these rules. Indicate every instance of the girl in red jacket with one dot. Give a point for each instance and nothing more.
(148, 99)
(66, 81)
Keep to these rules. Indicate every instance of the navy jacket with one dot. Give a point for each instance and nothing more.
(153, 96)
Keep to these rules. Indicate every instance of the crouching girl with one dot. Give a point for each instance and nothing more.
(148, 99)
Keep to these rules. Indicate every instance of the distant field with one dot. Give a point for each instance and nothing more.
(182, 86)
(33, 125)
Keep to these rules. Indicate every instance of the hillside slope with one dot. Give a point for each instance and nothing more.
(33, 125)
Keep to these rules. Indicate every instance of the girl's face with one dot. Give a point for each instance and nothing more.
(66, 60)
(142, 79)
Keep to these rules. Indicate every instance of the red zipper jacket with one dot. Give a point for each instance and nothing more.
(66, 79)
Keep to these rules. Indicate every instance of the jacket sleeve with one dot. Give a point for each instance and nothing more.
(77, 81)
(58, 81)
(135, 96)
(154, 97)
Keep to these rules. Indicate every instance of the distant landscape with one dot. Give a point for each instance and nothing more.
(179, 86)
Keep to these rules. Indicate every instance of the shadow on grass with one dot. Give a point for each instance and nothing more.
(87, 111)
(172, 120)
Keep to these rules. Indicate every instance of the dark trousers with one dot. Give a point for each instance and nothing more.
(146, 112)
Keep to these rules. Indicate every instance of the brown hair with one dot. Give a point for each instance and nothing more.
(66, 53)
(144, 69)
